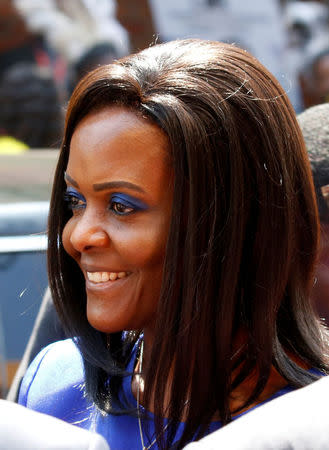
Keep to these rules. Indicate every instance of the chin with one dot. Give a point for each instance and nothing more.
(100, 325)
(109, 327)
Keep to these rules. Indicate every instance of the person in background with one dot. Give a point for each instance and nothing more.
(254, 24)
(31, 111)
(71, 29)
(18, 42)
(314, 73)
(305, 22)
(314, 123)
(182, 174)
(296, 421)
(100, 53)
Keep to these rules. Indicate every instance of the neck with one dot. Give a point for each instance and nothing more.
(141, 369)
(238, 396)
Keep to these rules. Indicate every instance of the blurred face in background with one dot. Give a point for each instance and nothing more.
(315, 89)
(321, 78)
(13, 32)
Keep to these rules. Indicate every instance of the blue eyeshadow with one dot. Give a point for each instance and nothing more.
(74, 193)
(128, 201)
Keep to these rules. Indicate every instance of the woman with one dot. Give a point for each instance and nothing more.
(182, 239)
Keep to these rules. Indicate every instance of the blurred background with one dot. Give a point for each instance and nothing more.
(46, 46)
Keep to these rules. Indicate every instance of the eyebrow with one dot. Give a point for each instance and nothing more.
(68, 178)
(107, 185)
(117, 185)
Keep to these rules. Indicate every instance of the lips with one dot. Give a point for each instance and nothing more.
(104, 277)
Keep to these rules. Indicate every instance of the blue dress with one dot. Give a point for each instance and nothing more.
(54, 385)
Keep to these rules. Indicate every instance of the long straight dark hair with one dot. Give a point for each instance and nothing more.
(242, 242)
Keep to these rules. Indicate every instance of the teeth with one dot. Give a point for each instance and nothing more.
(97, 277)
(103, 277)
(113, 276)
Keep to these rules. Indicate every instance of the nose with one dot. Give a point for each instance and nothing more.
(88, 232)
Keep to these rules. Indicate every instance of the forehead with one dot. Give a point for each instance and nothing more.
(116, 142)
(116, 119)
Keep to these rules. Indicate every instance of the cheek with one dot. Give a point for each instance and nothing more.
(66, 239)
(142, 246)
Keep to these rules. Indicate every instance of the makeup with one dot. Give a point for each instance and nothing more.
(128, 201)
(74, 199)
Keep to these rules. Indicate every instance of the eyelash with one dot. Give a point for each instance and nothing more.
(114, 203)
(73, 200)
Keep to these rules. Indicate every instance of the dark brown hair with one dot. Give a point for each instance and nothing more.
(243, 236)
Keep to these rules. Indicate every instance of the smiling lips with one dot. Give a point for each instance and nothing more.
(103, 277)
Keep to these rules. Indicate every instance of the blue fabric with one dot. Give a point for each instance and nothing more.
(54, 384)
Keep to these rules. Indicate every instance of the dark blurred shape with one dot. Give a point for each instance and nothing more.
(101, 53)
(98, 54)
(314, 73)
(137, 18)
(305, 21)
(30, 107)
(306, 24)
(16, 41)
(214, 2)
(314, 123)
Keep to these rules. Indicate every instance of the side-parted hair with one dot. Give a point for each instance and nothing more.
(242, 242)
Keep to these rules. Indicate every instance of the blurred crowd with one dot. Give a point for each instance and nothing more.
(46, 46)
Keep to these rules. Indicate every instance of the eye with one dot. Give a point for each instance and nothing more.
(74, 200)
(123, 204)
(120, 208)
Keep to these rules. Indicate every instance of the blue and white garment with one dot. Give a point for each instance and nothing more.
(54, 385)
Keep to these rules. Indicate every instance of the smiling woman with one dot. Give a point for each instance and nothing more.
(120, 194)
(182, 239)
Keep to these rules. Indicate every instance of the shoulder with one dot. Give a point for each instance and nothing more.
(54, 379)
(295, 420)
